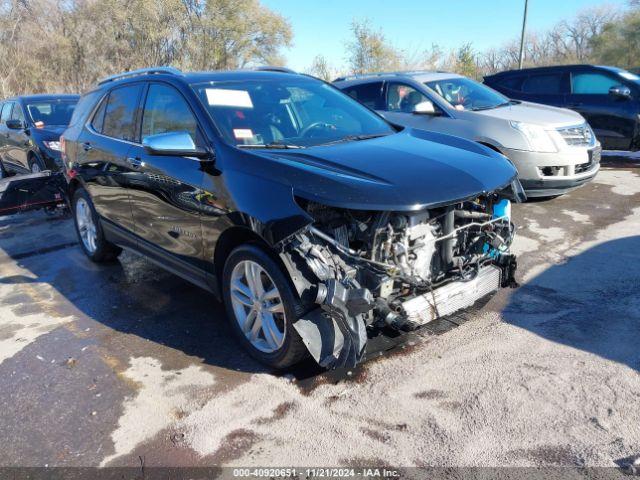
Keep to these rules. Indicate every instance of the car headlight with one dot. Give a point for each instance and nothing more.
(53, 145)
(537, 137)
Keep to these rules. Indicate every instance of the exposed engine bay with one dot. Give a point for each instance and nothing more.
(369, 270)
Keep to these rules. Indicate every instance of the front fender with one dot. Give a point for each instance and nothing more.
(265, 206)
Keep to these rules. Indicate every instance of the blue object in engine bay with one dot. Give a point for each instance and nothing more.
(500, 209)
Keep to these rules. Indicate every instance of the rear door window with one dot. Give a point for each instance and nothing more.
(511, 83)
(592, 83)
(121, 113)
(544, 84)
(369, 94)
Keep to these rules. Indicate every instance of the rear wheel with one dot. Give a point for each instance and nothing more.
(262, 306)
(90, 234)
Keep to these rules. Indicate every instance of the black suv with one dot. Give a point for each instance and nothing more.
(608, 97)
(316, 221)
(30, 128)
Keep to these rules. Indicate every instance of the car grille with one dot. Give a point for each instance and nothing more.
(583, 167)
(578, 136)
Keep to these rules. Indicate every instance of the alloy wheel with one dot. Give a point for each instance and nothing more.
(257, 306)
(86, 225)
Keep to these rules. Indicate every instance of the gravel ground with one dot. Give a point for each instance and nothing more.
(104, 365)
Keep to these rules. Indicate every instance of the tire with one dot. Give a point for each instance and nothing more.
(292, 350)
(35, 164)
(99, 250)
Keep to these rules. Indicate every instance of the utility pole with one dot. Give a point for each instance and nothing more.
(524, 28)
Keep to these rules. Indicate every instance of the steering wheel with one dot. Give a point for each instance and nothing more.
(306, 131)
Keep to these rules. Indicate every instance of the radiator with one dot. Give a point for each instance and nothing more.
(452, 297)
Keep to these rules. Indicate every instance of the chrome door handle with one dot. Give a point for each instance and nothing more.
(135, 162)
(87, 146)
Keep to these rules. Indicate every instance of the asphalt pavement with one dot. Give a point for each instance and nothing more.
(119, 364)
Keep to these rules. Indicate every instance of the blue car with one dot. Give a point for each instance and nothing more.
(607, 97)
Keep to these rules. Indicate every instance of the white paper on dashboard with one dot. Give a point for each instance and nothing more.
(241, 133)
(222, 97)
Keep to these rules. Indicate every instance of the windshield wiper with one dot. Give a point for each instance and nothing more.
(489, 107)
(355, 138)
(272, 145)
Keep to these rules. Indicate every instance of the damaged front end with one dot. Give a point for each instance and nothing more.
(370, 270)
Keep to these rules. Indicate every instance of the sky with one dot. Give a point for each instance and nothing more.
(322, 26)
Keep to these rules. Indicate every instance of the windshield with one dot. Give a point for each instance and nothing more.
(466, 94)
(287, 113)
(51, 112)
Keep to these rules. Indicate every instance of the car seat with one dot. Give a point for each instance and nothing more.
(410, 101)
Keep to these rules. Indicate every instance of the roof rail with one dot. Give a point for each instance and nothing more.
(268, 68)
(386, 74)
(141, 71)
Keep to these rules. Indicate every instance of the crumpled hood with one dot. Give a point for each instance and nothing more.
(410, 170)
(544, 115)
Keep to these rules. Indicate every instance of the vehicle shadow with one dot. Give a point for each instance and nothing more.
(131, 296)
(591, 302)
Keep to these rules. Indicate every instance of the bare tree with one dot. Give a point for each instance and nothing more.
(320, 68)
(619, 42)
(569, 41)
(65, 45)
(369, 51)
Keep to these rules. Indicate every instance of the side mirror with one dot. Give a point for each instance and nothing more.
(620, 91)
(424, 108)
(173, 144)
(15, 124)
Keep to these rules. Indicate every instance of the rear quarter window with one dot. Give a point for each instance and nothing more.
(84, 107)
(97, 122)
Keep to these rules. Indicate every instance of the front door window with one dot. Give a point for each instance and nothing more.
(403, 98)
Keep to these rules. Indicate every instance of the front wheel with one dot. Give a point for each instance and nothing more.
(262, 306)
(89, 230)
(36, 165)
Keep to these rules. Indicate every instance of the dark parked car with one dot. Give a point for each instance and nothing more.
(608, 97)
(316, 221)
(30, 129)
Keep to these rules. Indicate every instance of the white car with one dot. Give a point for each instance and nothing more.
(554, 149)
